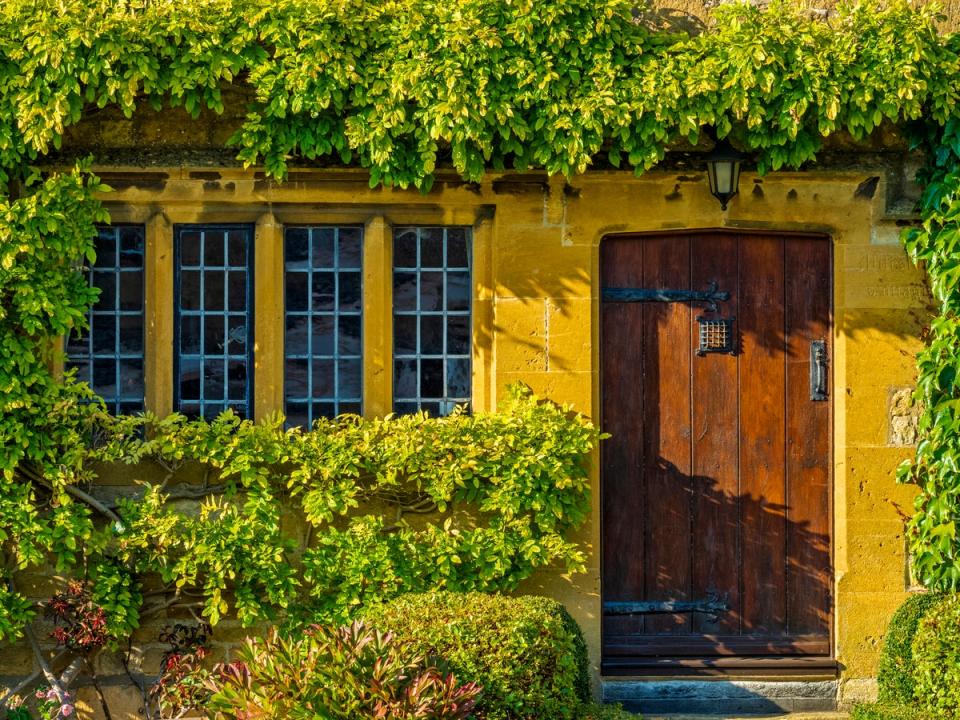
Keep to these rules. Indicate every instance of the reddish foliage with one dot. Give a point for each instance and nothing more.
(80, 624)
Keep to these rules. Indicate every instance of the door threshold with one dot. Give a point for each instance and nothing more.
(785, 667)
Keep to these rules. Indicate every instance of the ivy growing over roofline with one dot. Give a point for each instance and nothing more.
(403, 86)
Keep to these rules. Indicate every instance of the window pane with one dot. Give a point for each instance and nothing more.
(404, 380)
(213, 281)
(432, 291)
(405, 291)
(189, 290)
(107, 282)
(106, 248)
(295, 337)
(103, 331)
(322, 289)
(131, 247)
(323, 365)
(213, 241)
(189, 249)
(431, 247)
(348, 335)
(190, 335)
(323, 378)
(297, 378)
(405, 249)
(214, 339)
(431, 334)
(131, 379)
(349, 291)
(457, 248)
(213, 334)
(237, 290)
(296, 295)
(323, 248)
(297, 248)
(324, 332)
(237, 249)
(350, 248)
(458, 335)
(131, 334)
(190, 379)
(458, 291)
(348, 379)
(405, 335)
(236, 380)
(109, 354)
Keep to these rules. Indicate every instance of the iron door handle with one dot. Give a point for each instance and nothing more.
(818, 370)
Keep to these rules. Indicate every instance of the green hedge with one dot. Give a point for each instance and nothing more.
(595, 711)
(895, 675)
(526, 652)
(936, 657)
(887, 711)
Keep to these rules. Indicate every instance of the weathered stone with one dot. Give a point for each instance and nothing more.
(904, 416)
(722, 696)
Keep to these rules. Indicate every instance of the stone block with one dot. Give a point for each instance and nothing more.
(17, 660)
(904, 414)
(538, 264)
(866, 420)
(567, 388)
(872, 491)
(722, 696)
(857, 690)
(543, 335)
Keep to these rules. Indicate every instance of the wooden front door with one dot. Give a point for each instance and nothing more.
(716, 479)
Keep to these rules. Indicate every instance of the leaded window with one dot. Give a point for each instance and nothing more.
(323, 360)
(108, 355)
(431, 319)
(213, 330)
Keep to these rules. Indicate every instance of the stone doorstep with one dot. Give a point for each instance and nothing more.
(723, 698)
(788, 716)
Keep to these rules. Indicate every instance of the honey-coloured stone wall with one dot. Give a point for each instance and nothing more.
(536, 313)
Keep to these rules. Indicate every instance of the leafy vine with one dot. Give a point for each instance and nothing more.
(401, 88)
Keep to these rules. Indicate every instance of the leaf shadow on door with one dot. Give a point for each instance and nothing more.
(716, 482)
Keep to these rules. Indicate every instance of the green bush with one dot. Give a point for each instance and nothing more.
(895, 675)
(887, 711)
(526, 652)
(336, 674)
(936, 659)
(596, 711)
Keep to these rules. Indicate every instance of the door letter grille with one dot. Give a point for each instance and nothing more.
(716, 335)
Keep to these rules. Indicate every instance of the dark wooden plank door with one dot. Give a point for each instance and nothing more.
(716, 482)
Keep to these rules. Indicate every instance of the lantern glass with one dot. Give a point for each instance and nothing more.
(723, 172)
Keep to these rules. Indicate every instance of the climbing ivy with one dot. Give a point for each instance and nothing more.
(402, 88)
(936, 468)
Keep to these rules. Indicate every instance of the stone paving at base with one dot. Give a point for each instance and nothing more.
(786, 716)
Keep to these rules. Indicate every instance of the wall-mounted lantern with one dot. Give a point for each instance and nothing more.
(723, 170)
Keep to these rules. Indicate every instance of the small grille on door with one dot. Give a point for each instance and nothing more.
(716, 335)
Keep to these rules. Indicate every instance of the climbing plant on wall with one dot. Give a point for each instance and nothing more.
(401, 88)
(936, 469)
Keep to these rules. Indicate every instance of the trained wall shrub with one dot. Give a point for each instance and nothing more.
(526, 652)
(895, 674)
(936, 657)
